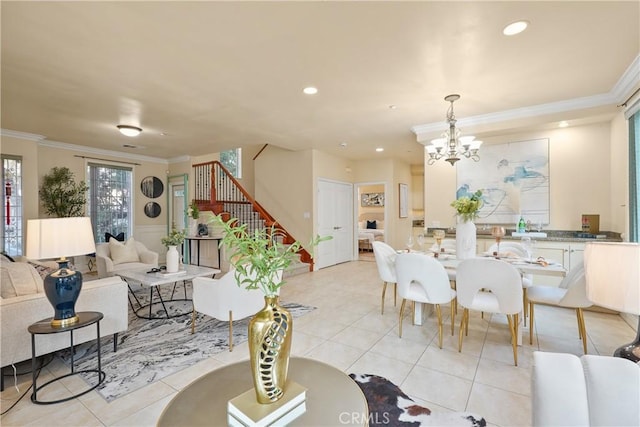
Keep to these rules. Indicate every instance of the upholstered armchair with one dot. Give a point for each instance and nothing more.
(120, 256)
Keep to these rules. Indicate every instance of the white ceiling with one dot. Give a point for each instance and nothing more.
(218, 75)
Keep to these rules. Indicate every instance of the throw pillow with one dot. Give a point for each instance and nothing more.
(19, 278)
(7, 258)
(123, 252)
(42, 269)
(119, 237)
(371, 225)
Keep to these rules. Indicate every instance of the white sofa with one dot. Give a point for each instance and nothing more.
(108, 296)
(568, 390)
(107, 267)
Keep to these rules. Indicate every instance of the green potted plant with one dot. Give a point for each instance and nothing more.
(61, 195)
(467, 207)
(172, 241)
(259, 261)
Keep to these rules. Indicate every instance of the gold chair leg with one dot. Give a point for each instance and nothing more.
(514, 340)
(395, 294)
(465, 314)
(524, 306)
(453, 314)
(439, 313)
(384, 291)
(413, 318)
(230, 330)
(193, 321)
(404, 301)
(531, 323)
(583, 329)
(579, 324)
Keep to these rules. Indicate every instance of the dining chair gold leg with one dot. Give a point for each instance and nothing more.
(230, 330)
(509, 322)
(524, 306)
(439, 313)
(413, 318)
(465, 313)
(384, 291)
(531, 323)
(514, 340)
(453, 315)
(583, 329)
(404, 301)
(466, 323)
(395, 294)
(579, 325)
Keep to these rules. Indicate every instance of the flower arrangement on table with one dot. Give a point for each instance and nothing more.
(468, 207)
(193, 210)
(175, 238)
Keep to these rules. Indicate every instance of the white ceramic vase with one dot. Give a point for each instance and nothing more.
(465, 239)
(173, 258)
(193, 227)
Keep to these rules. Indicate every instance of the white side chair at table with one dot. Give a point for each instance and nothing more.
(423, 279)
(449, 246)
(516, 249)
(385, 261)
(490, 286)
(571, 293)
(224, 300)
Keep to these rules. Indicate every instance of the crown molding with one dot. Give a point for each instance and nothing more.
(179, 159)
(21, 135)
(616, 95)
(102, 152)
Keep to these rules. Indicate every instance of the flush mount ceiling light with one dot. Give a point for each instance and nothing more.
(129, 130)
(310, 90)
(379, 149)
(451, 143)
(515, 28)
(563, 124)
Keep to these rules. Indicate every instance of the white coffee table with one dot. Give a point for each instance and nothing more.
(153, 280)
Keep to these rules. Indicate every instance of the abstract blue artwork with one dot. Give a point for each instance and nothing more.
(514, 179)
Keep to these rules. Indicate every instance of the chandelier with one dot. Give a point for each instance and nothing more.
(451, 143)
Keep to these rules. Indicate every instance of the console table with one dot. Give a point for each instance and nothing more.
(199, 239)
(333, 398)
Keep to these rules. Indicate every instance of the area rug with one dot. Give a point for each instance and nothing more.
(390, 407)
(153, 349)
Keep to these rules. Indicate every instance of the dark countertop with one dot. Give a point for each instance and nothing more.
(552, 235)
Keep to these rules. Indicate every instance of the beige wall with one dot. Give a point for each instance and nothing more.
(580, 177)
(620, 175)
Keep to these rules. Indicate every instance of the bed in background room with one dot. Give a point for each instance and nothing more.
(370, 229)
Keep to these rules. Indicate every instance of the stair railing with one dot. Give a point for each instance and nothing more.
(216, 187)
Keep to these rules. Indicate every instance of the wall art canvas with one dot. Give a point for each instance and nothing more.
(372, 199)
(514, 179)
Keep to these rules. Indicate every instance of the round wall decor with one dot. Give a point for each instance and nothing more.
(152, 187)
(152, 209)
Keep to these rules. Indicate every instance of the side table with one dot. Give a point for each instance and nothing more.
(43, 327)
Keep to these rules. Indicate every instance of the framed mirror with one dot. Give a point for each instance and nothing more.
(152, 187)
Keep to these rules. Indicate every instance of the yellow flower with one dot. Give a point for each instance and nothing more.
(468, 207)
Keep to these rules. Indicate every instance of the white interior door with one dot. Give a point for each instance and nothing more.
(335, 219)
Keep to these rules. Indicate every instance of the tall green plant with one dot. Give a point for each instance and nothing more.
(61, 195)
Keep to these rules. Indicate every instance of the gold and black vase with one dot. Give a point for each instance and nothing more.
(270, 333)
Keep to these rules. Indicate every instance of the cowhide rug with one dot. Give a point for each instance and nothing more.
(390, 407)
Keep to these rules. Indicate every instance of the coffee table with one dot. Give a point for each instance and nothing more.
(333, 399)
(153, 280)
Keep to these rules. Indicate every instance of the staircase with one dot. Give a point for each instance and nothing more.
(218, 191)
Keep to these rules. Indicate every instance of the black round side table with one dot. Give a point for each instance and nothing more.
(43, 327)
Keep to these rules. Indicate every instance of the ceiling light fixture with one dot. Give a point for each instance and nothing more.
(379, 149)
(515, 28)
(129, 130)
(310, 90)
(563, 124)
(451, 143)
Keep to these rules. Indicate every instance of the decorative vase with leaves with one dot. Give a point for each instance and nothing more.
(172, 241)
(467, 208)
(259, 260)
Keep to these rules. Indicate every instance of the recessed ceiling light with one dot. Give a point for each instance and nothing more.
(129, 130)
(393, 107)
(163, 134)
(343, 144)
(515, 28)
(563, 124)
(379, 149)
(310, 90)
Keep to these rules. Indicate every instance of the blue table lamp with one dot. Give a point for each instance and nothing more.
(61, 238)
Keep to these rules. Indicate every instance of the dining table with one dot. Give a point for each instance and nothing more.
(538, 266)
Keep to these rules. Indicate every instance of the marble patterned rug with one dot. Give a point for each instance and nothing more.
(153, 349)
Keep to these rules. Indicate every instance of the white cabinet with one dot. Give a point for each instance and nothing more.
(568, 254)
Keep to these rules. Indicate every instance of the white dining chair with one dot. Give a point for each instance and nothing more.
(385, 261)
(423, 279)
(224, 300)
(571, 293)
(490, 286)
(516, 249)
(449, 246)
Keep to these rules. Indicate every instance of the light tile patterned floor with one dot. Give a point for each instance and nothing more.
(348, 331)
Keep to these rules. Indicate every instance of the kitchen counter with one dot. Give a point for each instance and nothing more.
(552, 235)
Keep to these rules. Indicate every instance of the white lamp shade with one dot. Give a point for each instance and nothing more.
(613, 275)
(59, 237)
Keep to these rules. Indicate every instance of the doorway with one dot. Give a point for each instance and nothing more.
(370, 216)
(335, 219)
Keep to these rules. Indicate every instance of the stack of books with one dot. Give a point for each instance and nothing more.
(245, 411)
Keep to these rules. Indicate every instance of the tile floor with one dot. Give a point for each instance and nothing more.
(348, 331)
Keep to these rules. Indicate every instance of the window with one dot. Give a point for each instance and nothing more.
(232, 160)
(12, 209)
(110, 199)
